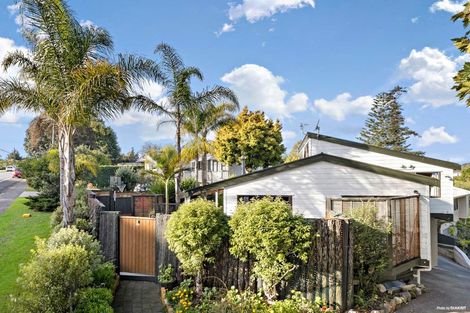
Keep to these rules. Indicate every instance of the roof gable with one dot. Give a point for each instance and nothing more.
(314, 159)
(404, 155)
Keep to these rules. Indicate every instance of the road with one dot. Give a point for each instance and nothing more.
(448, 285)
(10, 189)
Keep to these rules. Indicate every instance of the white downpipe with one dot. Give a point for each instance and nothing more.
(422, 269)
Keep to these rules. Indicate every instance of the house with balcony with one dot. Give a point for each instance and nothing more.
(216, 170)
(414, 193)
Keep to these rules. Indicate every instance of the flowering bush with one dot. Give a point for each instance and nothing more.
(182, 297)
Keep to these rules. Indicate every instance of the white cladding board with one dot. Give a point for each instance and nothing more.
(444, 204)
(311, 185)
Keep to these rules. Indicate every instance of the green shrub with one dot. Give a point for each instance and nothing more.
(51, 280)
(463, 234)
(158, 187)
(371, 251)
(235, 302)
(81, 210)
(296, 303)
(94, 300)
(267, 230)
(128, 176)
(188, 183)
(194, 232)
(166, 274)
(104, 275)
(71, 235)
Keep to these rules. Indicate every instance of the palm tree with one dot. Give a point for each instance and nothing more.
(210, 110)
(167, 165)
(68, 78)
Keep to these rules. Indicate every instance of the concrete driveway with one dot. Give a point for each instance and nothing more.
(448, 287)
(10, 189)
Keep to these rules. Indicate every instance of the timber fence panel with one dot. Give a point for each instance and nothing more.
(109, 236)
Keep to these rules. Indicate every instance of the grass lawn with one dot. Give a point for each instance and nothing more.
(16, 241)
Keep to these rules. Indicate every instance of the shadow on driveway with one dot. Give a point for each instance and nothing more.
(448, 287)
(137, 297)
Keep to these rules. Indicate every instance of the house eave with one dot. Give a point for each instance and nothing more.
(404, 155)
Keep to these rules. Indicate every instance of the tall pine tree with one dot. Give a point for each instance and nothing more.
(385, 125)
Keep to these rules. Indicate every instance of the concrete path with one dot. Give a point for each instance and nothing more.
(137, 297)
(449, 290)
(10, 189)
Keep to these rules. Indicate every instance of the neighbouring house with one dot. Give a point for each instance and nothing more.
(461, 203)
(216, 170)
(415, 193)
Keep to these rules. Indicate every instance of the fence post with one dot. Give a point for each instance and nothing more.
(109, 236)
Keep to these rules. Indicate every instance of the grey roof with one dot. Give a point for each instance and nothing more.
(404, 155)
(313, 159)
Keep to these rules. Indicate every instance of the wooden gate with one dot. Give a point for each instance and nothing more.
(137, 245)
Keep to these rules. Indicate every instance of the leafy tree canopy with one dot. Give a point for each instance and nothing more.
(462, 43)
(42, 135)
(385, 125)
(14, 155)
(294, 152)
(194, 232)
(267, 230)
(253, 136)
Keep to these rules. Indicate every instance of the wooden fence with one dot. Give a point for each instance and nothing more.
(328, 273)
(109, 236)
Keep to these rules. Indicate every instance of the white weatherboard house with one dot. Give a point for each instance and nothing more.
(332, 168)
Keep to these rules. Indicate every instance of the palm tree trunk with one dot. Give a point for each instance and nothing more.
(204, 168)
(167, 200)
(67, 174)
(178, 150)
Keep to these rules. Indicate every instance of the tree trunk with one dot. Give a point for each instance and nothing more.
(204, 168)
(198, 283)
(197, 169)
(67, 174)
(167, 200)
(270, 292)
(178, 150)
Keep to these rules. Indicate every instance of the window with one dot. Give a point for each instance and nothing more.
(435, 192)
(247, 198)
(209, 165)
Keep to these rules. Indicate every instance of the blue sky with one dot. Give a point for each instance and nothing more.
(298, 60)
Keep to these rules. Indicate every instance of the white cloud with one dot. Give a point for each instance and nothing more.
(343, 105)
(288, 135)
(6, 46)
(146, 125)
(410, 120)
(449, 6)
(226, 28)
(255, 10)
(415, 20)
(259, 88)
(87, 23)
(434, 135)
(431, 73)
(16, 117)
